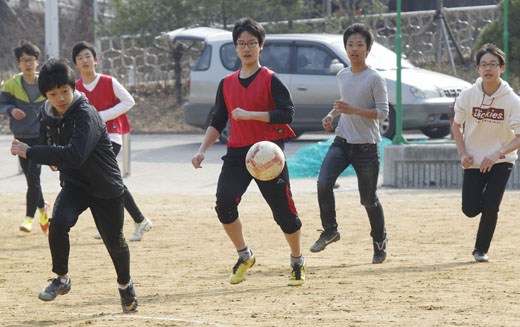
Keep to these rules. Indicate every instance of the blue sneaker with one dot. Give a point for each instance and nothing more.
(128, 299)
(379, 251)
(57, 287)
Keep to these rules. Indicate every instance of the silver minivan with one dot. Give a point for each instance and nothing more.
(307, 64)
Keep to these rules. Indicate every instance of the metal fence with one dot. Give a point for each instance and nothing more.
(420, 30)
(133, 63)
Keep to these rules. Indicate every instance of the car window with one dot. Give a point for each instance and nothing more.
(382, 58)
(276, 57)
(313, 60)
(204, 59)
(229, 57)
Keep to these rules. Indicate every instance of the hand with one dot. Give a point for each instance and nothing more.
(240, 114)
(53, 168)
(344, 107)
(488, 162)
(19, 148)
(197, 160)
(18, 114)
(327, 123)
(467, 160)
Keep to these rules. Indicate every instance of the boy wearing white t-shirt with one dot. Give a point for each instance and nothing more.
(490, 112)
(112, 101)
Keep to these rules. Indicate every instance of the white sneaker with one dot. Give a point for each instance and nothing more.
(144, 226)
(97, 236)
(480, 256)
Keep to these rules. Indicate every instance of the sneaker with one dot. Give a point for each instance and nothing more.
(325, 239)
(240, 269)
(57, 287)
(140, 228)
(26, 226)
(297, 275)
(44, 217)
(480, 256)
(97, 236)
(380, 251)
(128, 299)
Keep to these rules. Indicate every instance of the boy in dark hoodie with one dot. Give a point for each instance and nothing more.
(77, 143)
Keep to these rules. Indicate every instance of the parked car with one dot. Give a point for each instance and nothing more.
(307, 64)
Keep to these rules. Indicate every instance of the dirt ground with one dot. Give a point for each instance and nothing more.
(181, 268)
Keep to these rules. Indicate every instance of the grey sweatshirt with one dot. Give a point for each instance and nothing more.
(366, 89)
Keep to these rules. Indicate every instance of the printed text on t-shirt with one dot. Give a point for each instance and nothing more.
(488, 113)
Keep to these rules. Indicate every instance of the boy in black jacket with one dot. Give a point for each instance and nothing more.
(79, 146)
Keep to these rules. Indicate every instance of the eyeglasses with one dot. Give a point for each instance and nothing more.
(250, 44)
(27, 61)
(490, 65)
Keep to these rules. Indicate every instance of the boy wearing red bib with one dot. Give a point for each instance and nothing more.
(259, 107)
(112, 101)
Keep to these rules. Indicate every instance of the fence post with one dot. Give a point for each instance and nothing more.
(126, 154)
(506, 39)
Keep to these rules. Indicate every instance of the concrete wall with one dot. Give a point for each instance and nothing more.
(428, 166)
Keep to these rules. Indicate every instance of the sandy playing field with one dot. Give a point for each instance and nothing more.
(181, 267)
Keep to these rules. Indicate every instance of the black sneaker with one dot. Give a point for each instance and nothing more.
(480, 256)
(325, 239)
(379, 251)
(128, 299)
(57, 287)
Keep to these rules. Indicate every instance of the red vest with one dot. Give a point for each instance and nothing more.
(256, 97)
(102, 98)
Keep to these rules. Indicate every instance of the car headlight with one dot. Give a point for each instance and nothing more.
(424, 94)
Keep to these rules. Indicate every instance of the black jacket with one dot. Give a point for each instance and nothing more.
(79, 145)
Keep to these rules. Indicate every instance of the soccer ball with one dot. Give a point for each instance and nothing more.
(265, 160)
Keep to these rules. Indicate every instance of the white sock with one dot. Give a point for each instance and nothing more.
(245, 254)
(126, 286)
(298, 260)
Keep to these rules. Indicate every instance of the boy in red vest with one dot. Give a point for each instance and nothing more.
(259, 107)
(112, 101)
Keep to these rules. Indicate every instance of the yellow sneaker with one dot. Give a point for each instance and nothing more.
(240, 269)
(44, 217)
(26, 226)
(297, 275)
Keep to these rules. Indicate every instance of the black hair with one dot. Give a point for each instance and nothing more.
(492, 49)
(252, 27)
(54, 74)
(80, 46)
(26, 47)
(361, 29)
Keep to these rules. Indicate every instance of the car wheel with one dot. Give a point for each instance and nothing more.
(387, 126)
(436, 132)
(224, 136)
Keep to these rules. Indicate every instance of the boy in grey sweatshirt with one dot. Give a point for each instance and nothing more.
(364, 101)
